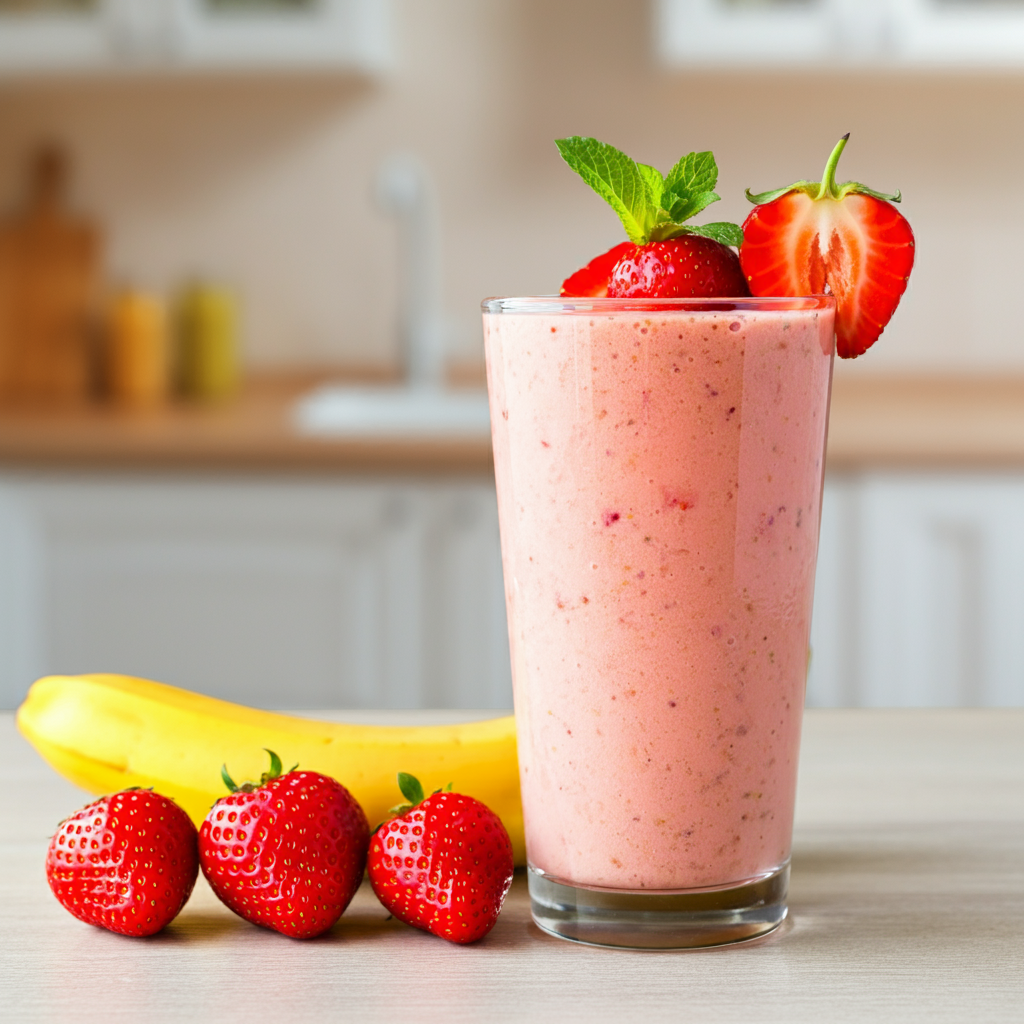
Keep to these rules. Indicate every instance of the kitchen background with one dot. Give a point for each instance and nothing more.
(330, 162)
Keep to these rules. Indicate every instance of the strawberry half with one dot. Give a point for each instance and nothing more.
(847, 237)
(665, 257)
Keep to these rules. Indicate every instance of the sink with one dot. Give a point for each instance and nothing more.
(346, 411)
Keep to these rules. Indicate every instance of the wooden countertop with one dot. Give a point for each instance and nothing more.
(926, 422)
(252, 433)
(907, 904)
(876, 421)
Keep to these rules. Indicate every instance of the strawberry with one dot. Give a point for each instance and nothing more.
(443, 865)
(288, 853)
(126, 862)
(677, 269)
(667, 258)
(848, 238)
(592, 280)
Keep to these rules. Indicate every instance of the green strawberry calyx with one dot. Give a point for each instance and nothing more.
(827, 187)
(652, 207)
(273, 772)
(412, 790)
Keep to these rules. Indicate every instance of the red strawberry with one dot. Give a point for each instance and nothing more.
(444, 865)
(126, 862)
(288, 853)
(800, 239)
(666, 257)
(592, 280)
(677, 269)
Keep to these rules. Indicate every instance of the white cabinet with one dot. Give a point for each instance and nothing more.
(824, 34)
(278, 593)
(920, 592)
(388, 593)
(132, 36)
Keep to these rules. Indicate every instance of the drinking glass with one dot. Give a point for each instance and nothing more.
(659, 473)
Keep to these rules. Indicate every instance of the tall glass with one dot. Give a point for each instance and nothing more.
(659, 471)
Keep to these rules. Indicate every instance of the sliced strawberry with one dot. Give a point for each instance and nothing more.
(846, 238)
(591, 281)
(679, 268)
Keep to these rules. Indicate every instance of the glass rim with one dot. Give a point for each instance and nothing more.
(720, 304)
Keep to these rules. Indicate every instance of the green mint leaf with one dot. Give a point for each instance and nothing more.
(689, 205)
(721, 231)
(655, 182)
(410, 787)
(616, 179)
(696, 172)
(690, 186)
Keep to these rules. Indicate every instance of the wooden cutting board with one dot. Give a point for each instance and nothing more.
(49, 280)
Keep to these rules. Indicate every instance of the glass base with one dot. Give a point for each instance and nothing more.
(673, 919)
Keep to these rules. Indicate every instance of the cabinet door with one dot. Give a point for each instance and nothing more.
(919, 598)
(279, 594)
(942, 591)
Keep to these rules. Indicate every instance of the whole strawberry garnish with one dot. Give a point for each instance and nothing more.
(126, 862)
(443, 865)
(800, 239)
(677, 269)
(592, 280)
(665, 257)
(287, 853)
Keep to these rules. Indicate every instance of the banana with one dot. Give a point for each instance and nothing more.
(108, 732)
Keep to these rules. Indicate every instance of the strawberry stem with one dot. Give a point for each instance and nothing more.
(828, 179)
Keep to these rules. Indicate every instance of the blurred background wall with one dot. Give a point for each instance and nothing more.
(367, 585)
(266, 180)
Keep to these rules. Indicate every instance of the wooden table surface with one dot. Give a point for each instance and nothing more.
(890, 421)
(907, 904)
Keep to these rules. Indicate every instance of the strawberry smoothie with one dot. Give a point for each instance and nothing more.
(659, 471)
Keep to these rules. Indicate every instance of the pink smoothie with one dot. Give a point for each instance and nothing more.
(659, 487)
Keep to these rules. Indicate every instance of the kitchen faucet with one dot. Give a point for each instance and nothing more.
(404, 189)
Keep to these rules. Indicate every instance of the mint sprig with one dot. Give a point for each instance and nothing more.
(652, 207)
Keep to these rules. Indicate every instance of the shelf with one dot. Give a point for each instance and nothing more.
(825, 35)
(119, 37)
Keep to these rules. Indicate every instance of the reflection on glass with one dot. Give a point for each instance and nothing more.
(47, 6)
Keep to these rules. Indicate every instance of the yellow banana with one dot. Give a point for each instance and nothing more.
(109, 732)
